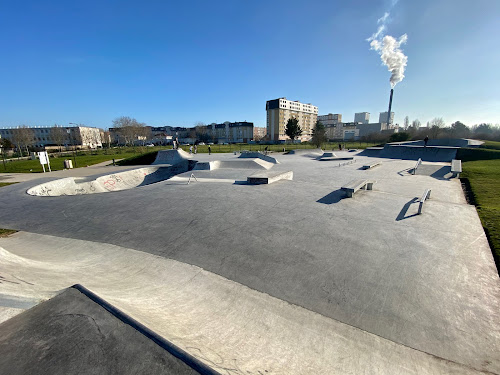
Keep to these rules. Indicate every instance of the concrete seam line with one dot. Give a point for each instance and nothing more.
(184, 356)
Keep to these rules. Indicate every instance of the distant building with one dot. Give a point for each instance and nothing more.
(227, 132)
(362, 117)
(279, 111)
(231, 132)
(81, 136)
(258, 133)
(330, 119)
(382, 118)
(376, 127)
(342, 131)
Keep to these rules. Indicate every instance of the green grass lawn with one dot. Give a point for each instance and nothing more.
(6, 183)
(491, 145)
(481, 167)
(83, 159)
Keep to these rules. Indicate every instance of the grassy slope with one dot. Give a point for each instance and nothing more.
(82, 160)
(482, 168)
(7, 183)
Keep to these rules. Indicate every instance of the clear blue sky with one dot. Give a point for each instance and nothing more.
(181, 62)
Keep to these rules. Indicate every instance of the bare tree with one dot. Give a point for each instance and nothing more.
(436, 126)
(58, 135)
(23, 137)
(129, 128)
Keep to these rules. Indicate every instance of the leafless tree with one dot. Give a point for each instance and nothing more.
(129, 128)
(23, 137)
(58, 135)
(435, 127)
(406, 123)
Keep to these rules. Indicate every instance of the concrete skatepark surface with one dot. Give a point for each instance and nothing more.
(71, 334)
(423, 283)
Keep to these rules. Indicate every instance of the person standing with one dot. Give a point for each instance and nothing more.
(190, 149)
(195, 149)
(209, 149)
(426, 139)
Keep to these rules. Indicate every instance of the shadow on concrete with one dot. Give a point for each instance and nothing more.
(444, 173)
(404, 210)
(333, 197)
(241, 182)
(406, 172)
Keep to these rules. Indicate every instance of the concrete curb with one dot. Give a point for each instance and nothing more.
(187, 358)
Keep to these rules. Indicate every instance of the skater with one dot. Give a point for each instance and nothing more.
(195, 149)
(340, 146)
(191, 150)
(209, 149)
(426, 139)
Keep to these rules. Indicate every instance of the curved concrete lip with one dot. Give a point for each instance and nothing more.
(107, 183)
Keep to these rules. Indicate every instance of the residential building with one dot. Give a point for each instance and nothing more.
(231, 132)
(259, 133)
(227, 132)
(330, 119)
(80, 136)
(382, 118)
(280, 110)
(362, 117)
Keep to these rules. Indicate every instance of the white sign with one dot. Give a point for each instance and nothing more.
(44, 159)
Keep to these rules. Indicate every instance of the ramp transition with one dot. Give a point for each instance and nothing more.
(81, 333)
(108, 183)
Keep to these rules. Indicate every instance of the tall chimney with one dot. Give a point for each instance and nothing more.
(389, 113)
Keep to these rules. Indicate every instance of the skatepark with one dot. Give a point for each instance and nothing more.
(248, 263)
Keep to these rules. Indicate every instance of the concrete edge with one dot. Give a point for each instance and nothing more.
(177, 352)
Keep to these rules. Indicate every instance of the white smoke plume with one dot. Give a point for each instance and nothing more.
(389, 49)
(392, 56)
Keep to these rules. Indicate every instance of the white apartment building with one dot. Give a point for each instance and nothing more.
(82, 136)
(382, 118)
(280, 110)
(362, 117)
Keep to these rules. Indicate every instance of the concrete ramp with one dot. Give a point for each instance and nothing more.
(312, 153)
(412, 152)
(450, 142)
(108, 183)
(76, 333)
(268, 177)
(260, 155)
(234, 164)
(371, 152)
(171, 157)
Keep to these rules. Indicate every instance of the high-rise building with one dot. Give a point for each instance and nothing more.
(279, 111)
(382, 118)
(330, 119)
(362, 117)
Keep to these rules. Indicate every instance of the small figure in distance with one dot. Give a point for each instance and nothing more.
(209, 149)
(190, 149)
(195, 149)
(265, 150)
(340, 146)
(426, 139)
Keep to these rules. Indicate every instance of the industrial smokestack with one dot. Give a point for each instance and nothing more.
(390, 106)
